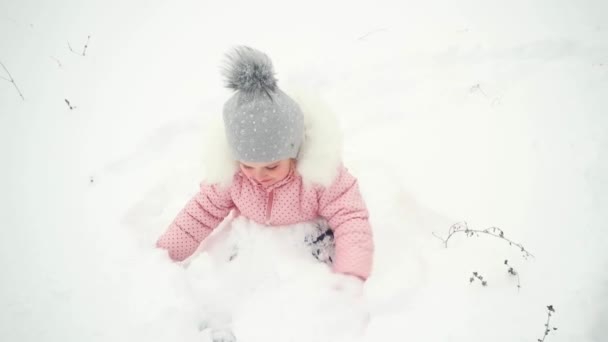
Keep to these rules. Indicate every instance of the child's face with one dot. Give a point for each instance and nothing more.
(267, 174)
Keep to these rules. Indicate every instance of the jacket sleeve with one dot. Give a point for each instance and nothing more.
(343, 207)
(196, 221)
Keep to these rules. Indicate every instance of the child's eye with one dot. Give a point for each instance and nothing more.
(247, 167)
(271, 167)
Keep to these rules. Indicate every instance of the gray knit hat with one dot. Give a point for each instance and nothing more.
(263, 124)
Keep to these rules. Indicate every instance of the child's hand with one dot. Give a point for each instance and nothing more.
(348, 284)
(351, 289)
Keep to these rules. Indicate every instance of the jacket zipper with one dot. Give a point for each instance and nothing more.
(269, 206)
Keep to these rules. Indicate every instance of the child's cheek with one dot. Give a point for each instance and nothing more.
(246, 172)
(279, 174)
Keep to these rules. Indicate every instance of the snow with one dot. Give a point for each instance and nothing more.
(487, 112)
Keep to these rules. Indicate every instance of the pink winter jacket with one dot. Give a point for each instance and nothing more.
(284, 203)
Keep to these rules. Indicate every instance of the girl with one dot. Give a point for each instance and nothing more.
(283, 168)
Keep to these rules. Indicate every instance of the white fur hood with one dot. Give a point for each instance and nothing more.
(319, 157)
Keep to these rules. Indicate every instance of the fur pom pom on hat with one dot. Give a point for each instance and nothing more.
(249, 70)
(262, 123)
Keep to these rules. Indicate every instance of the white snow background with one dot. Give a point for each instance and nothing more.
(489, 112)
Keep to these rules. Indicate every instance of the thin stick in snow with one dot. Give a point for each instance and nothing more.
(548, 329)
(513, 272)
(11, 80)
(58, 61)
(69, 105)
(492, 231)
(86, 45)
(84, 50)
(478, 276)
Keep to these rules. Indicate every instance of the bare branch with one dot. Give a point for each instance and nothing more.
(492, 231)
(86, 45)
(84, 49)
(69, 105)
(513, 272)
(57, 60)
(548, 328)
(70, 47)
(12, 80)
(439, 237)
(476, 275)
